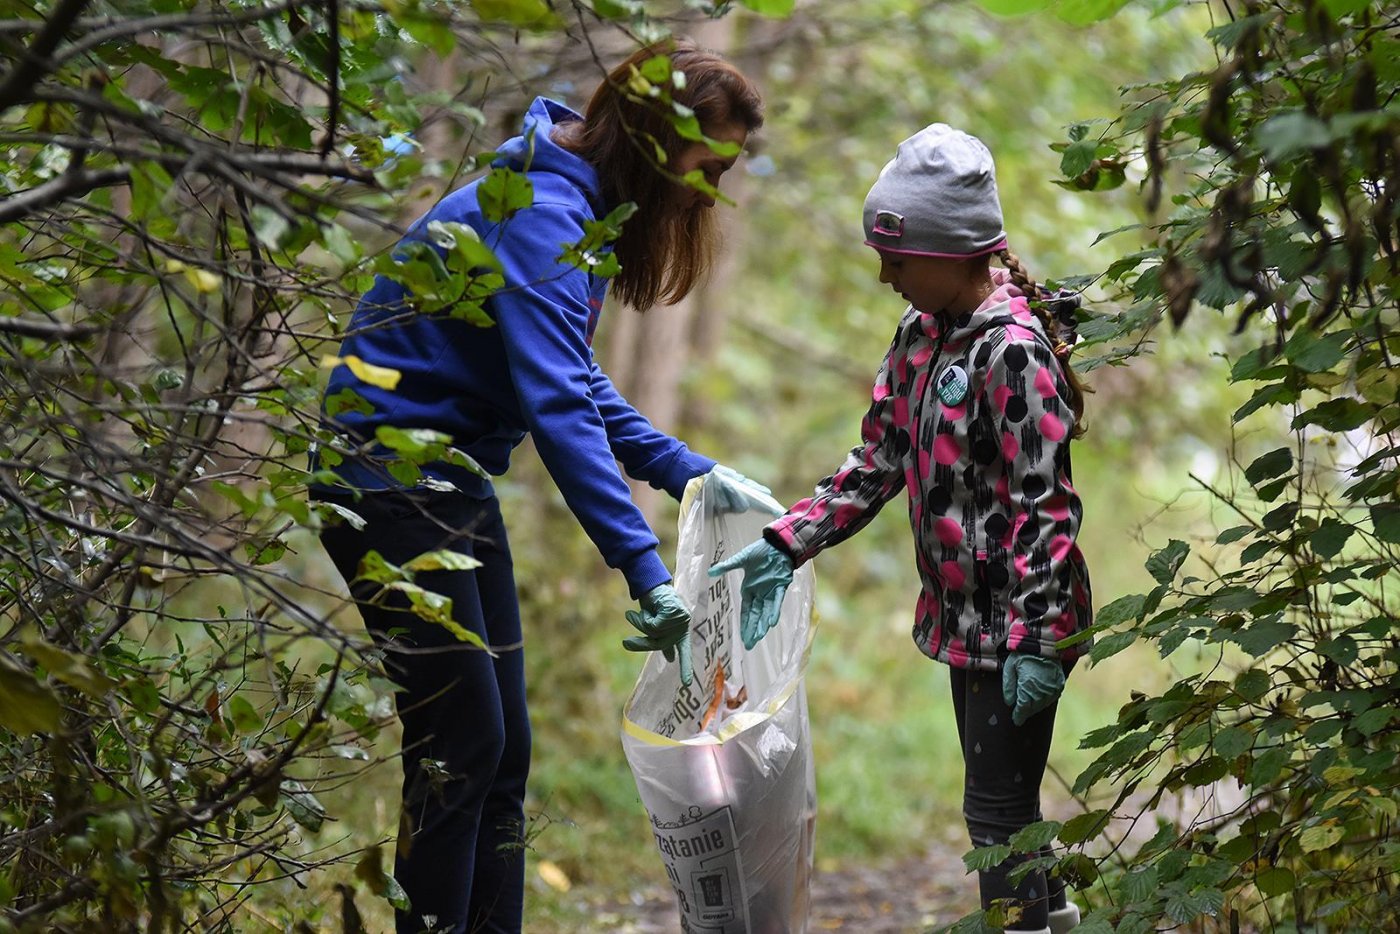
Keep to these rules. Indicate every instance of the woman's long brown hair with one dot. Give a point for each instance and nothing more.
(1031, 289)
(663, 250)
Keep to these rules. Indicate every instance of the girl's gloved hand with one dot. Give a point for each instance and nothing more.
(664, 624)
(730, 491)
(767, 573)
(1029, 684)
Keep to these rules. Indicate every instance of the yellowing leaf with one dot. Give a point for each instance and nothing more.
(554, 877)
(203, 280)
(26, 706)
(381, 376)
(442, 561)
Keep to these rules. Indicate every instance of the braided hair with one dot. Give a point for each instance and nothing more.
(1060, 339)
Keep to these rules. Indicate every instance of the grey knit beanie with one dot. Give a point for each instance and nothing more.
(936, 197)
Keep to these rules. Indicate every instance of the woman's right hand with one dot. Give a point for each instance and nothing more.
(767, 574)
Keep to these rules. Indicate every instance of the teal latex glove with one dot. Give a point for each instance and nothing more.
(767, 573)
(1029, 684)
(730, 492)
(664, 624)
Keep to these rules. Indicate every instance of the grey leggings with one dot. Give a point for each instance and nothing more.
(1003, 767)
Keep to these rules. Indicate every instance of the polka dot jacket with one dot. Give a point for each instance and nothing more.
(994, 515)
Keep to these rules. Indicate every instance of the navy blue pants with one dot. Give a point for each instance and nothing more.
(466, 732)
(1003, 767)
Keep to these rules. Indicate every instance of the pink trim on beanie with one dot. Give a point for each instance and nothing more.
(1002, 245)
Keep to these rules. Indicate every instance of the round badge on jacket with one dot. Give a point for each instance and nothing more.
(952, 385)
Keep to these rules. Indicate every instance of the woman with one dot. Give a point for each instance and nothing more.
(972, 412)
(466, 730)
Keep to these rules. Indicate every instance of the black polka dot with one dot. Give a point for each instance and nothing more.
(1016, 358)
(1036, 605)
(963, 320)
(984, 450)
(996, 526)
(901, 443)
(982, 601)
(984, 355)
(1029, 529)
(1016, 409)
(970, 476)
(1033, 487)
(939, 500)
(997, 574)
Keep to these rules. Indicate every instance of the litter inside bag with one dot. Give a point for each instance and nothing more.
(724, 766)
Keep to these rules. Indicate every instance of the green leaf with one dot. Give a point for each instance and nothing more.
(1321, 837)
(1336, 415)
(1084, 826)
(1313, 354)
(1234, 534)
(528, 13)
(1077, 157)
(1275, 880)
(503, 193)
(441, 561)
(435, 608)
(1013, 7)
(1252, 683)
(70, 668)
(1164, 563)
(1385, 518)
(1035, 837)
(1266, 466)
(1329, 538)
(302, 805)
(772, 8)
(1263, 636)
(26, 706)
(986, 857)
(1272, 394)
(1087, 12)
(1253, 363)
(244, 715)
(1285, 134)
(1120, 611)
(1110, 645)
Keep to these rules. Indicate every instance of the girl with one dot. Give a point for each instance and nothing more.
(972, 411)
(466, 732)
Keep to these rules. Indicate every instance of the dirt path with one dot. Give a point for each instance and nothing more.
(906, 897)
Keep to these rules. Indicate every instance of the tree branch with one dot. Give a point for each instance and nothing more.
(31, 67)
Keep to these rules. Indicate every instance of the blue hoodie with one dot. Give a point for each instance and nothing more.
(533, 372)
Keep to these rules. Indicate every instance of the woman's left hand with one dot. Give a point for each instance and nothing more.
(1029, 684)
(734, 492)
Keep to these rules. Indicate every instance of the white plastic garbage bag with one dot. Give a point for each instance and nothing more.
(724, 767)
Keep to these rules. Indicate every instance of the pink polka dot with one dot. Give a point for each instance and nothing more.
(920, 382)
(900, 418)
(901, 367)
(845, 514)
(881, 392)
(911, 478)
(839, 479)
(1051, 427)
(953, 575)
(955, 412)
(1023, 565)
(1045, 382)
(1003, 489)
(1057, 508)
(1060, 546)
(1021, 308)
(957, 656)
(923, 464)
(1017, 333)
(1016, 635)
(916, 510)
(945, 450)
(948, 531)
(920, 356)
(1009, 447)
(1000, 396)
(814, 509)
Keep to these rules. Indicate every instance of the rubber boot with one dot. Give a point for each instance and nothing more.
(1063, 919)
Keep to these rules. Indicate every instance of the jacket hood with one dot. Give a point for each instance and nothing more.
(535, 151)
(1005, 299)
